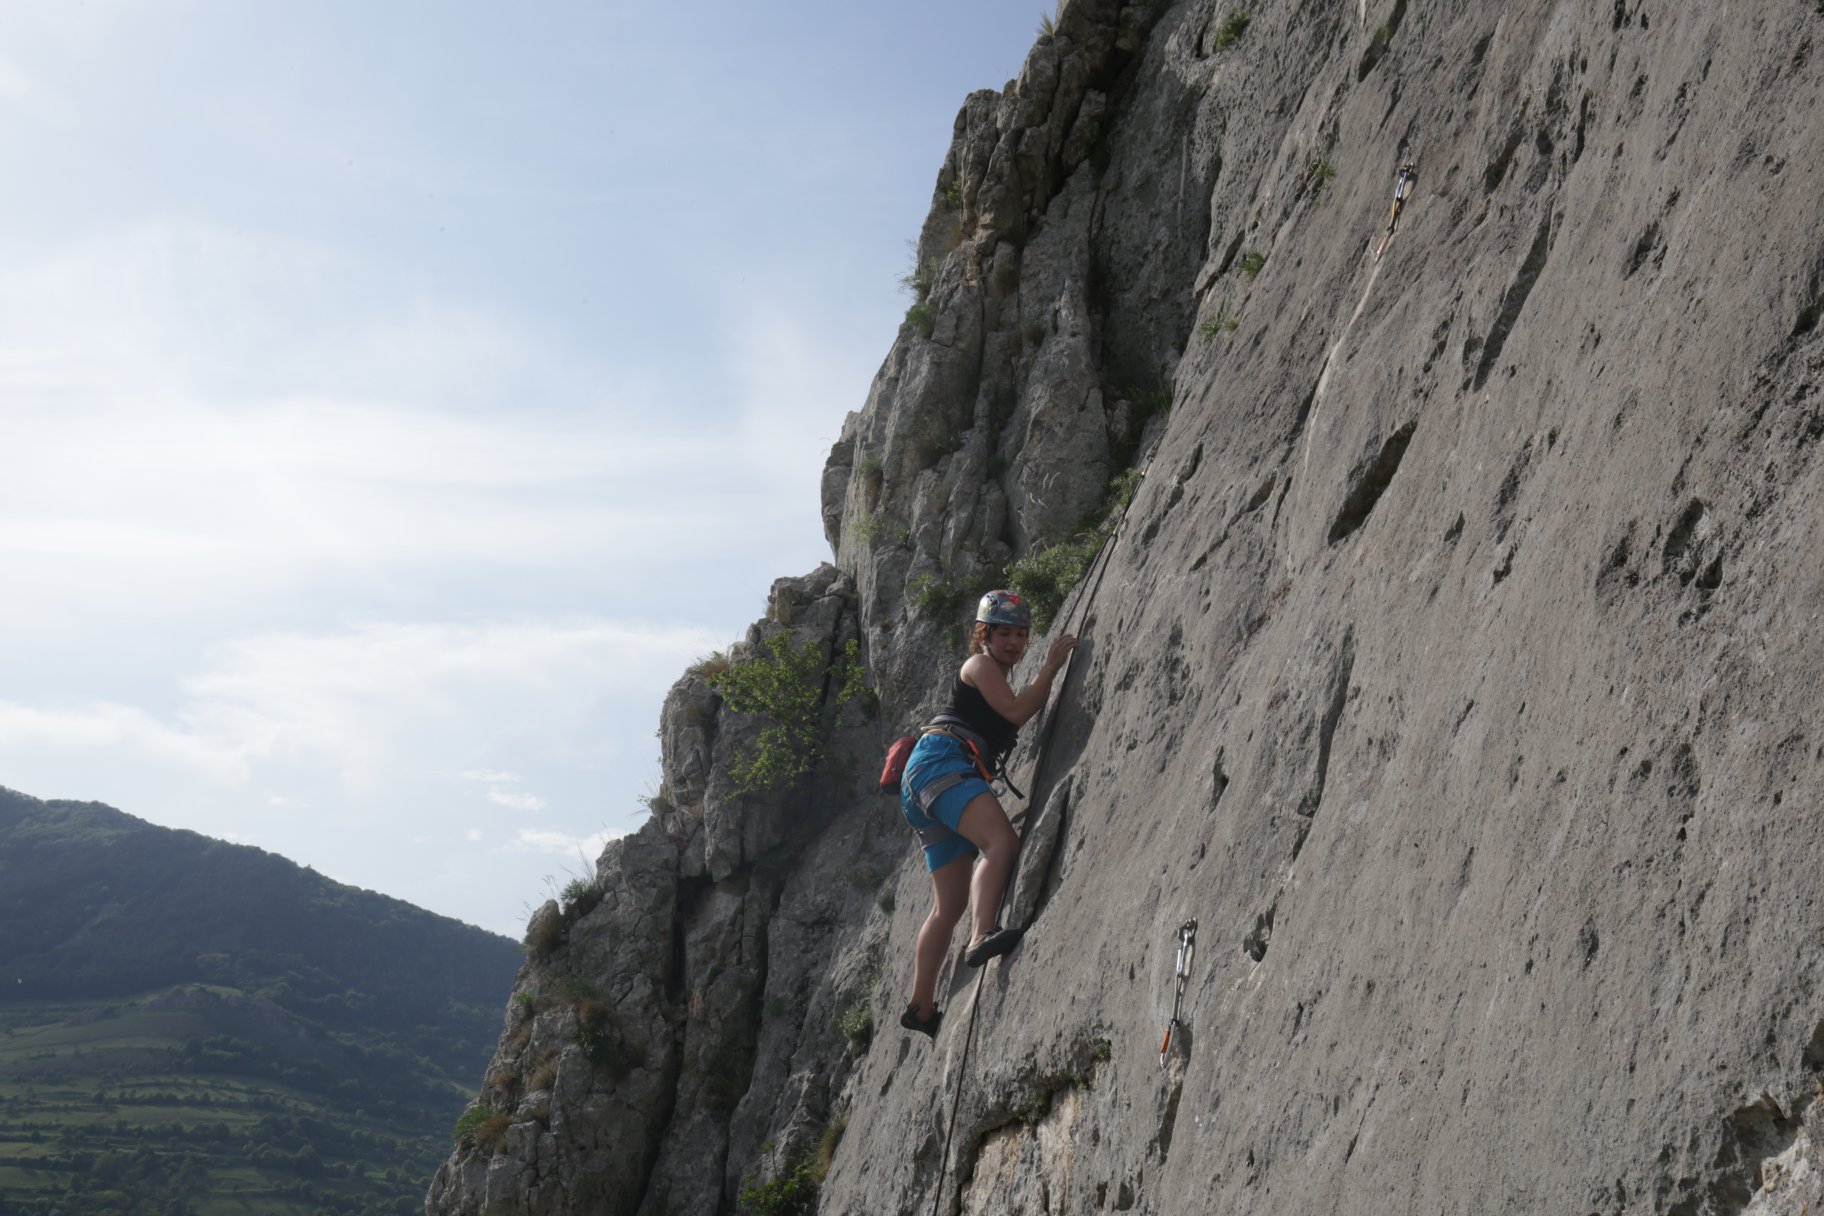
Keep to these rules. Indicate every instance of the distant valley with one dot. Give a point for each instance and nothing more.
(194, 1027)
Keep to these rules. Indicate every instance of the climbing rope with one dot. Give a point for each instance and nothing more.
(1099, 567)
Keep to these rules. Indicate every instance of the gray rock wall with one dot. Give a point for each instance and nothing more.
(1456, 666)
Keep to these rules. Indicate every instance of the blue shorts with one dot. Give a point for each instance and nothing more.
(938, 755)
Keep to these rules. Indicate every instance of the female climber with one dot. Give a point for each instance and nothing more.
(946, 797)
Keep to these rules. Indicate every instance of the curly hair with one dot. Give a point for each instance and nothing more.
(978, 637)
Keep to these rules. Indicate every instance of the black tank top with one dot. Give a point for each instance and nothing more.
(968, 703)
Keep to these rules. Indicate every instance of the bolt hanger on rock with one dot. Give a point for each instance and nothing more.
(1181, 974)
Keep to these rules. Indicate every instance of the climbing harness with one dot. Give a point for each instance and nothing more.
(1181, 974)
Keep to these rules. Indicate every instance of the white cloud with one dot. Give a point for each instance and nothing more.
(15, 85)
(536, 840)
(378, 737)
(364, 709)
(203, 415)
(350, 699)
(121, 731)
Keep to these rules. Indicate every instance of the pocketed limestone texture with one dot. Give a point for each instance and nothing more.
(1457, 666)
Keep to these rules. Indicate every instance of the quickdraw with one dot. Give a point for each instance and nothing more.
(1181, 974)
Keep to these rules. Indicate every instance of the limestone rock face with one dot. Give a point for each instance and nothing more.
(636, 1026)
(1456, 668)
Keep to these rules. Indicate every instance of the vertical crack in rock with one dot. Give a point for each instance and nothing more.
(1304, 408)
(1381, 43)
(1807, 319)
(1497, 168)
(1514, 300)
(1369, 482)
(1038, 854)
(1326, 729)
(1168, 1116)
(1650, 245)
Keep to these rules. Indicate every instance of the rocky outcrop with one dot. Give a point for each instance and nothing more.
(650, 1003)
(1454, 668)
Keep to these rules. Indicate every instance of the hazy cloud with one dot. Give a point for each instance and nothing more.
(14, 84)
(561, 844)
(516, 802)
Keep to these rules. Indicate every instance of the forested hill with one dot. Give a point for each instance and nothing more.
(193, 1027)
(95, 904)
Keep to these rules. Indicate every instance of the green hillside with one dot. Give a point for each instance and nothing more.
(189, 1026)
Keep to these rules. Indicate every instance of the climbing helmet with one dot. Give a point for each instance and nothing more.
(1004, 608)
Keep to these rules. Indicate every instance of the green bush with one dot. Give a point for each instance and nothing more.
(1252, 263)
(1047, 576)
(712, 664)
(886, 902)
(857, 1026)
(922, 318)
(793, 1193)
(932, 598)
(1230, 31)
(580, 896)
(1225, 321)
(602, 1042)
(1320, 172)
(1121, 489)
(919, 279)
(865, 877)
(1036, 1108)
(873, 529)
(483, 1127)
(786, 686)
(826, 1146)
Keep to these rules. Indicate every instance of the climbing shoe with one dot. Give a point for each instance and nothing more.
(911, 1021)
(994, 945)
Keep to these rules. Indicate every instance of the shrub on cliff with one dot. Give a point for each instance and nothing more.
(787, 687)
(483, 1127)
(1230, 31)
(1047, 576)
(793, 1193)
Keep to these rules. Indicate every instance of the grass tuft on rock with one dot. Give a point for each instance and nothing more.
(483, 1127)
(1231, 30)
(1047, 576)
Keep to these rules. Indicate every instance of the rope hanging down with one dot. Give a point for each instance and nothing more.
(1100, 567)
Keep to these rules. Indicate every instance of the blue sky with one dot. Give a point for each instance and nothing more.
(394, 398)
